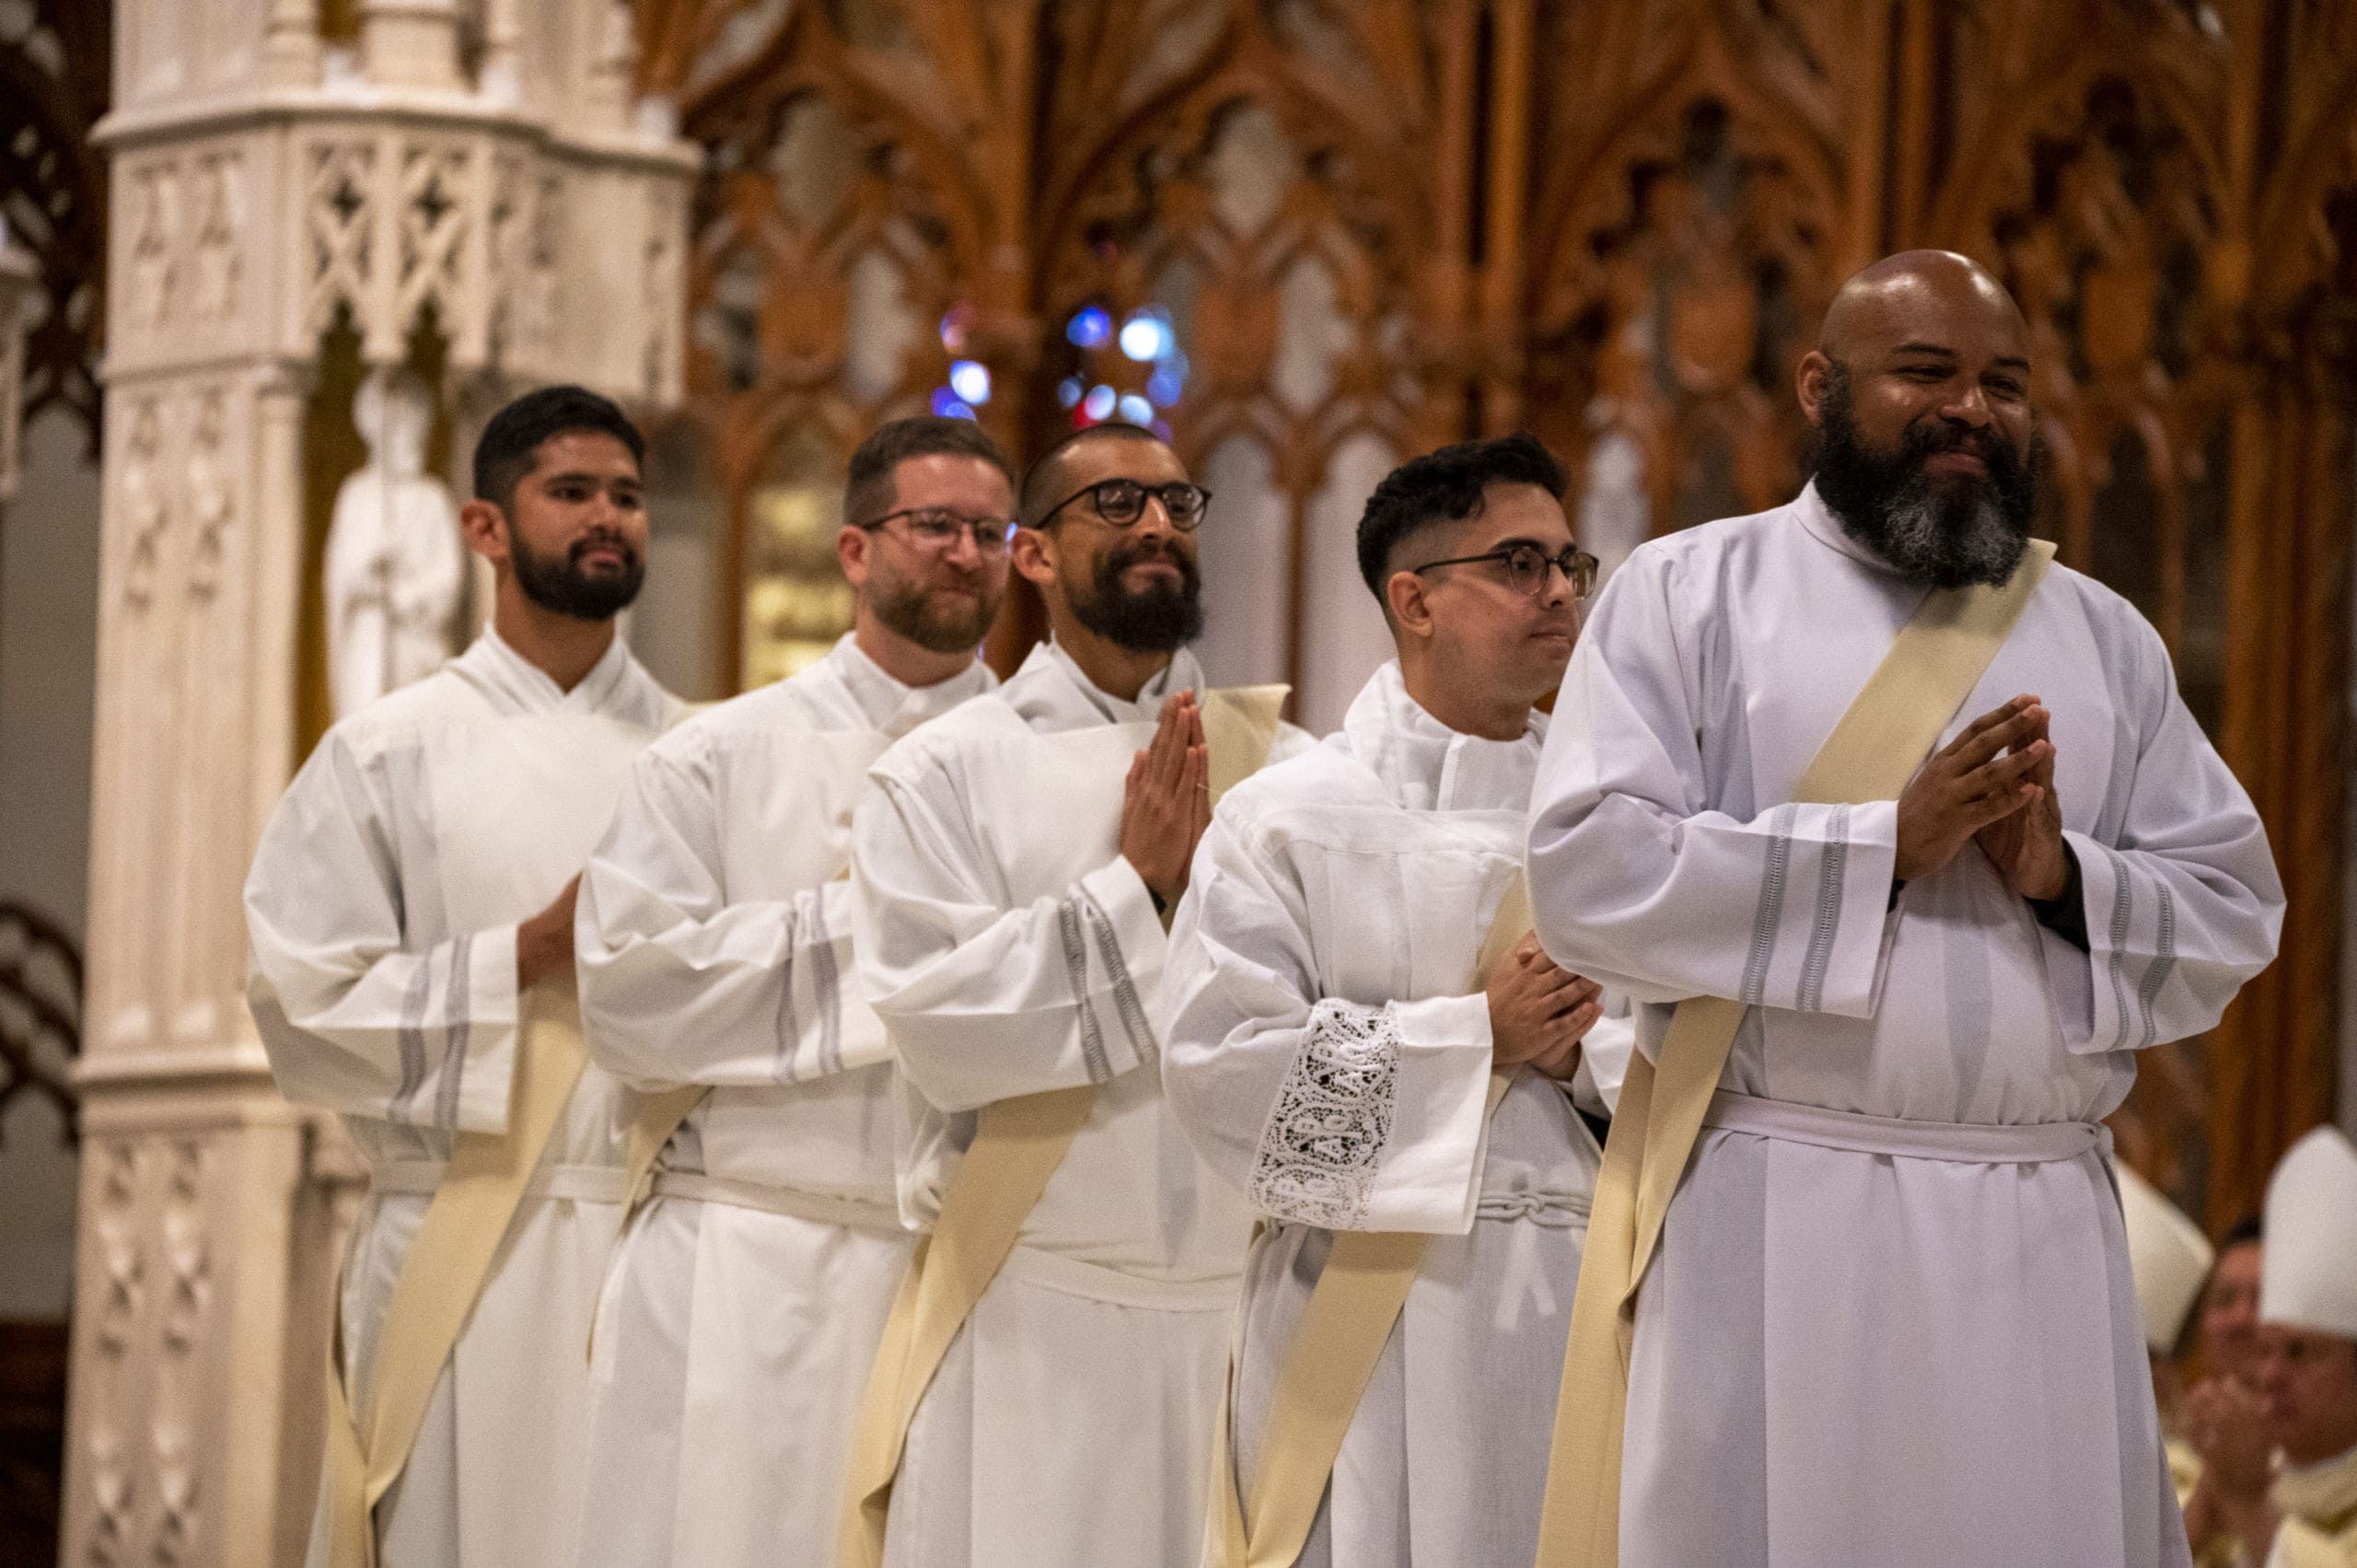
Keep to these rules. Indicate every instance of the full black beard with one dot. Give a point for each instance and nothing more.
(908, 608)
(1158, 620)
(557, 583)
(1942, 535)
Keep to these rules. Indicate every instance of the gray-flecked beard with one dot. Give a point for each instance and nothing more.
(1942, 535)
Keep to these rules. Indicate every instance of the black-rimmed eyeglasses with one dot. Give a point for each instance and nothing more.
(937, 529)
(1527, 566)
(1122, 501)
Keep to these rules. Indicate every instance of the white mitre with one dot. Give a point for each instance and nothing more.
(2307, 1275)
(2169, 1256)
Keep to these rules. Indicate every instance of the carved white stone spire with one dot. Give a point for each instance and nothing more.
(256, 207)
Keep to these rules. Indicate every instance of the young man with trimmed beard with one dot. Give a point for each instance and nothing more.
(745, 1302)
(1066, 1327)
(411, 910)
(1900, 907)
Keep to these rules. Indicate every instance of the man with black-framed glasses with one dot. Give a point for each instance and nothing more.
(1338, 1008)
(747, 1296)
(1016, 862)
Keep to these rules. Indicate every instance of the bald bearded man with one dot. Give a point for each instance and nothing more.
(1888, 1315)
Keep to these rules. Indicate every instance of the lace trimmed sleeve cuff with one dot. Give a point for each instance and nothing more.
(1378, 1123)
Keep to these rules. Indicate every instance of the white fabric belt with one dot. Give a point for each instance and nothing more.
(1964, 1143)
(1557, 1211)
(581, 1183)
(819, 1208)
(1095, 1282)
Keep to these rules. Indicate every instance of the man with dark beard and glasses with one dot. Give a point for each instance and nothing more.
(410, 908)
(744, 1301)
(1067, 1325)
(1898, 907)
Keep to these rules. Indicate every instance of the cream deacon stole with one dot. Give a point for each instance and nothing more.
(1017, 1142)
(1891, 725)
(369, 1442)
(1359, 1296)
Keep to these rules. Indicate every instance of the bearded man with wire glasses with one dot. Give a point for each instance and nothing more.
(748, 1294)
(1016, 861)
(1365, 1039)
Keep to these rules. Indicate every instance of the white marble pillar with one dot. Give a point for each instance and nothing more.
(251, 206)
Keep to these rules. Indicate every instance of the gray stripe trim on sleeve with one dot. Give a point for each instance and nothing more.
(825, 984)
(410, 1036)
(1833, 860)
(2164, 960)
(458, 1010)
(789, 1026)
(1092, 1038)
(2123, 906)
(1765, 920)
(1125, 990)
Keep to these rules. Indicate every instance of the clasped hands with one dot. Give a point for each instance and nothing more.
(1539, 1011)
(1992, 785)
(1166, 802)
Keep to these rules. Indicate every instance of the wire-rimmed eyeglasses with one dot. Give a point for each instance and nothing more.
(936, 528)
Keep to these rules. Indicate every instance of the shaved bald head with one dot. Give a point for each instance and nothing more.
(1893, 294)
(1918, 388)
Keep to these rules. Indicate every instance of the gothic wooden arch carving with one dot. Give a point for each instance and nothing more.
(1132, 197)
(835, 176)
(1685, 241)
(2271, 1068)
(2298, 250)
(55, 59)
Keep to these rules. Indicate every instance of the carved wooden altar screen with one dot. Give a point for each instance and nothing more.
(1368, 227)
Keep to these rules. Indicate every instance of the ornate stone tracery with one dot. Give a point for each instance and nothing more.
(264, 204)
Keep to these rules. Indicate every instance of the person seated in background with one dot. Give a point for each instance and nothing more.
(2307, 1351)
(2222, 1419)
(2170, 1259)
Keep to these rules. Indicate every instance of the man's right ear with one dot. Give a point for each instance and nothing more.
(1808, 382)
(1033, 553)
(851, 545)
(1403, 595)
(485, 527)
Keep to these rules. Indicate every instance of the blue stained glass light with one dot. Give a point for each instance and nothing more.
(1089, 328)
(1144, 338)
(970, 379)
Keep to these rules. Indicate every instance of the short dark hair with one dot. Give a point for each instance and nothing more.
(510, 444)
(1445, 487)
(2250, 1228)
(868, 489)
(1043, 483)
